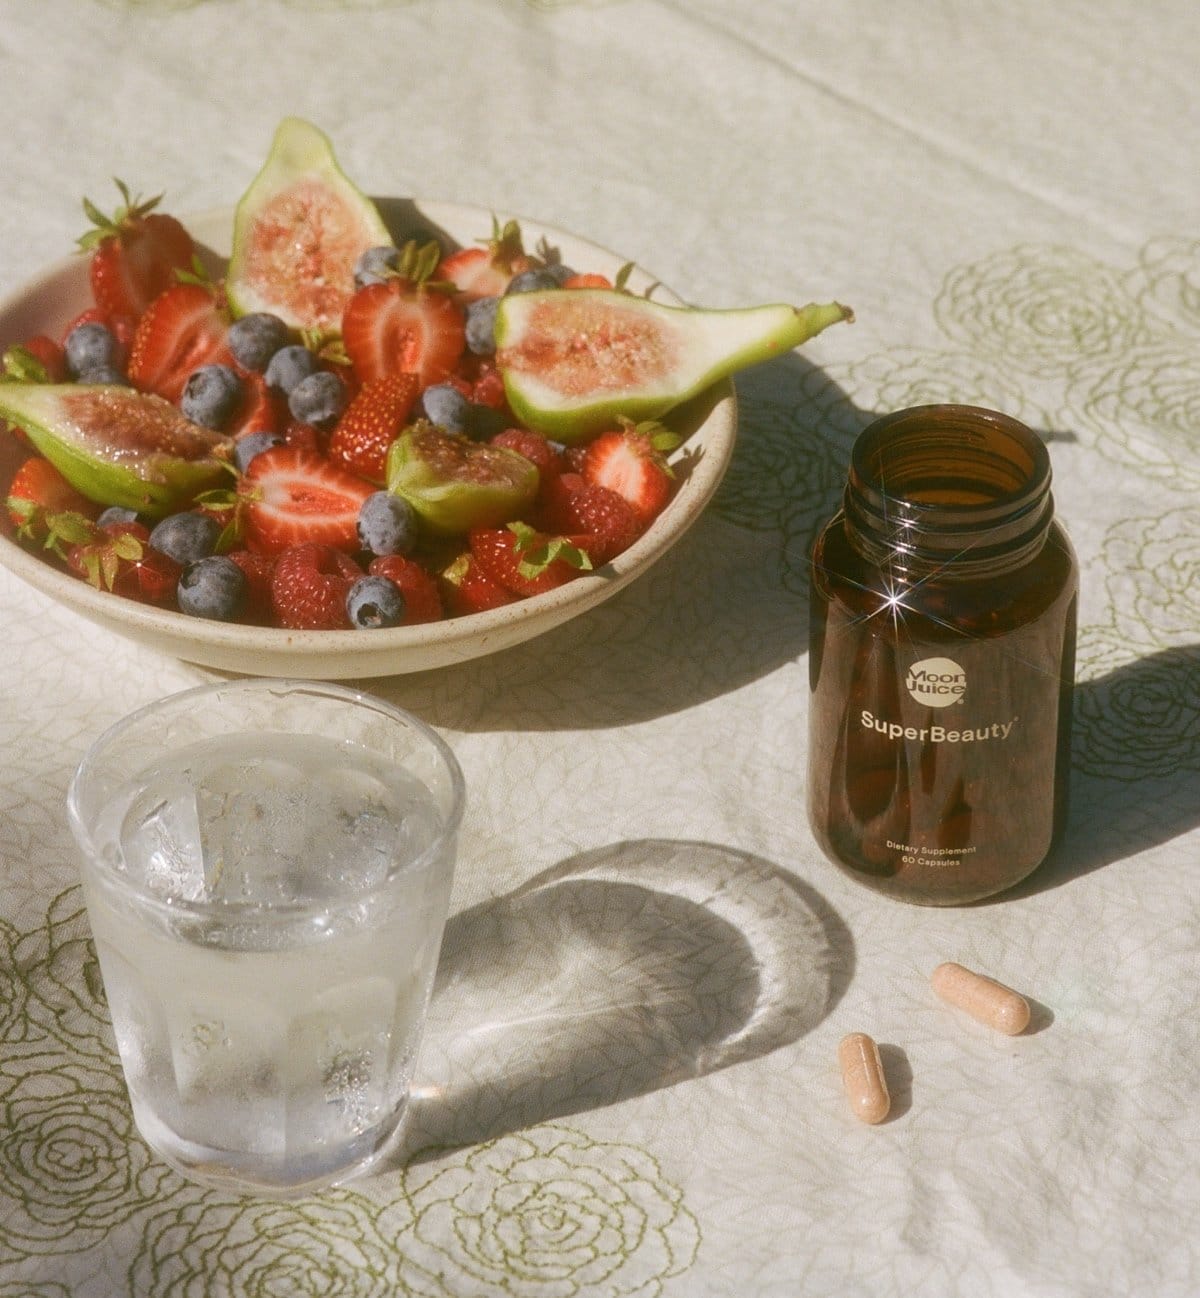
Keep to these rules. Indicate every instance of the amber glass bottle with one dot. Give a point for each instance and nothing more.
(942, 659)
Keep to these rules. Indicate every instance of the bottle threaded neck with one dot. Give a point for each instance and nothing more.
(955, 489)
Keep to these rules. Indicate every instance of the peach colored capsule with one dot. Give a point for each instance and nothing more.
(862, 1077)
(983, 998)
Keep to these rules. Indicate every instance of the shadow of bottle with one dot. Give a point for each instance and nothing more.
(1135, 780)
(615, 973)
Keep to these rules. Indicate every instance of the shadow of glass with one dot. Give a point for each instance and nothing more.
(618, 972)
(1135, 780)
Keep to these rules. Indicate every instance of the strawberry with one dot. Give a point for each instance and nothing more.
(468, 589)
(486, 271)
(260, 409)
(409, 322)
(119, 558)
(135, 253)
(295, 496)
(259, 570)
(587, 279)
(37, 492)
(488, 388)
(525, 561)
(422, 602)
(36, 360)
(630, 461)
(182, 329)
(122, 327)
(371, 422)
(309, 587)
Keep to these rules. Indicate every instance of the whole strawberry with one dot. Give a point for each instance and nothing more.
(371, 423)
(135, 253)
(118, 557)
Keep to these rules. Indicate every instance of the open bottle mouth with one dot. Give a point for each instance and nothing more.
(948, 485)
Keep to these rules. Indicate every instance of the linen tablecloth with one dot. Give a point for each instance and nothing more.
(629, 1084)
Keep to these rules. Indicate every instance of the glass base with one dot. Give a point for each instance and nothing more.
(252, 1173)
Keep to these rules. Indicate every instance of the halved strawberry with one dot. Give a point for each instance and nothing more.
(135, 253)
(371, 422)
(525, 561)
(38, 491)
(486, 271)
(182, 329)
(631, 461)
(408, 323)
(294, 496)
(422, 602)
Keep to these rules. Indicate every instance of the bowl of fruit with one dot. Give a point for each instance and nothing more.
(334, 436)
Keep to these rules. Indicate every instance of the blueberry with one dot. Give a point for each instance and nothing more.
(90, 346)
(373, 265)
(214, 587)
(255, 338)
(116, 514)
(446, 406)
(531, 281)
(211, 396)
(481, 325)
(387, 524)
(318, 400)
(288, 366)
(375, 602)
(186, 537)
(252, 444)
(104, 374)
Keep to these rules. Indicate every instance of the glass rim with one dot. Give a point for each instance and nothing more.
(274, 912)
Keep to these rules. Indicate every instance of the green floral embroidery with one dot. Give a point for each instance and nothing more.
(546, 1214)
(255, 1249)
(65, 987)
(71, 1162)
(1040, 309)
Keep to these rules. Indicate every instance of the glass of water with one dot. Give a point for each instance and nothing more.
(267, 868)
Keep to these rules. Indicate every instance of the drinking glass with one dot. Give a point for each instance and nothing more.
(267, 868)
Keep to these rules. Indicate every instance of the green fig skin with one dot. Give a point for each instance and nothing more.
(118, 446)
(297, 232)
(455, 484)
(574, 361)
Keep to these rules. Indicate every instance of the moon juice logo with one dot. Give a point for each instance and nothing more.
(936, 682)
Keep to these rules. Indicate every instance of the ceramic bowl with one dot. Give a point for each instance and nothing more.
(49, 301)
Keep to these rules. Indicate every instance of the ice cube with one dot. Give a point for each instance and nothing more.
(162, 841)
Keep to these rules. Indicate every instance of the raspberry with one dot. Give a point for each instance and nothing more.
(309, 588)
(533, 446)
(422, 601)
(608, 521)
